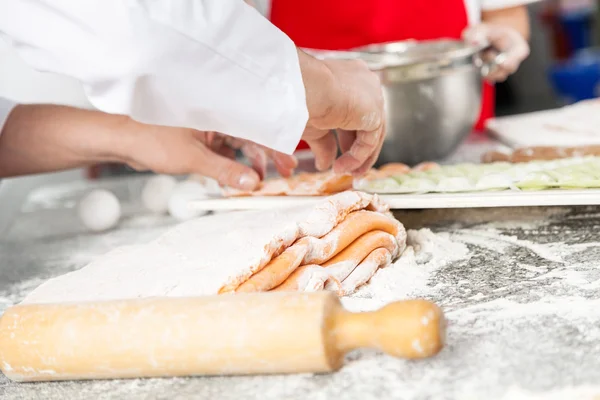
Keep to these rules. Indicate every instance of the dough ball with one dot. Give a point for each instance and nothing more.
(179, 202)
(156, 193)
(99, 210)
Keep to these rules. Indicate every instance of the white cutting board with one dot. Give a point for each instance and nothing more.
(507, 198)
(574, 125)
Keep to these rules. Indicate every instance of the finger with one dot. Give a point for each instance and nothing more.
(233, 142)
(325, 150)
(502, 72)
(213, 140)
(345, 139)
(257, 158)
(362, 149)
(363, 169)
(284, 163)
(226, 151)
(367, 165)
(226, 171)
(510, 43)
(285, 160)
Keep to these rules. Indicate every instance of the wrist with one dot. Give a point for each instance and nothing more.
(108, 136)
(127, 141)
(320, 86)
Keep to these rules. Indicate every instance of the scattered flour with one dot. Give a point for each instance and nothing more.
(538, 340)
(493, 239)
(570, 393)
(410, 275)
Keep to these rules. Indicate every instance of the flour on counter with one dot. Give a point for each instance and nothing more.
(410, 275)
(521, 295)
(569, 393)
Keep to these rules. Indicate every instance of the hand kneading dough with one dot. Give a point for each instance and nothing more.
(157, 191)
(221, 253)
(99, 210)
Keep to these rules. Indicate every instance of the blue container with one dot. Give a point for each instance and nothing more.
(578, 29)
(578, 78)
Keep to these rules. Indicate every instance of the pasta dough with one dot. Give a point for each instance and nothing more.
(245, 252)
(315, 184)
(304, 184)
(566, 173)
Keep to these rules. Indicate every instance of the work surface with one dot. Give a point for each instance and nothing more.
(523, 303)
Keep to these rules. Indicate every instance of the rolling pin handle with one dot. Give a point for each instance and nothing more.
(407, 329)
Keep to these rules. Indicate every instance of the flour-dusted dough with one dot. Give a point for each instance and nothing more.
(201, 256)
(571, 173)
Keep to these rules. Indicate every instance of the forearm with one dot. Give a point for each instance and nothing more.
(516, 18)
(45, 138)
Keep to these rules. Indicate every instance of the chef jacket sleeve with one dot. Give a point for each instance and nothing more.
(6, 107)
(214, 65)
(491, 5)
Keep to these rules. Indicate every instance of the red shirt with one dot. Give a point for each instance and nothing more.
(344, 24)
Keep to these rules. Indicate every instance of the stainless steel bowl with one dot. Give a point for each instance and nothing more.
(432, 94)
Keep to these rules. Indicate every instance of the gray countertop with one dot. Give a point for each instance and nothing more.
(522, 299)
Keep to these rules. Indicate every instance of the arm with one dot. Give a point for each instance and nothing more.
(46, 138)
(40, 138)
(206, 65)
(202, 64)
(516, 18)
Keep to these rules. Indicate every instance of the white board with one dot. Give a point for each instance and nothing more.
(575, 125)
(507, 198)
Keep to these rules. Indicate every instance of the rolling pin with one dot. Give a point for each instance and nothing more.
(260, 333)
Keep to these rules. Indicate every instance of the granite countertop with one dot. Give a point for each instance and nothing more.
(522, 299)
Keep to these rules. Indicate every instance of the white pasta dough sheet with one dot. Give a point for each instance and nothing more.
(216, 254)
(566, 173)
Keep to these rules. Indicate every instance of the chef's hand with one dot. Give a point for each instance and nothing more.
(45, 138)
(506, 40)
(185, 151)
(343, 95)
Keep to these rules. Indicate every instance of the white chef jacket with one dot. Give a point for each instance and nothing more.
(6, 107)
(214, 65)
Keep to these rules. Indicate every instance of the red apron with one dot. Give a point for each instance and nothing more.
(343, 24)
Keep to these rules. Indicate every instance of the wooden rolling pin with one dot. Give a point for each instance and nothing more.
(238, 334)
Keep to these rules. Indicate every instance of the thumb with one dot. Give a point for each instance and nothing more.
(226, 171)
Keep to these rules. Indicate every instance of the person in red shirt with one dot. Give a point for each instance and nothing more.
(345, 24)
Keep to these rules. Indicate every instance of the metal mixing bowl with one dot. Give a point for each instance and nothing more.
(432, 94)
